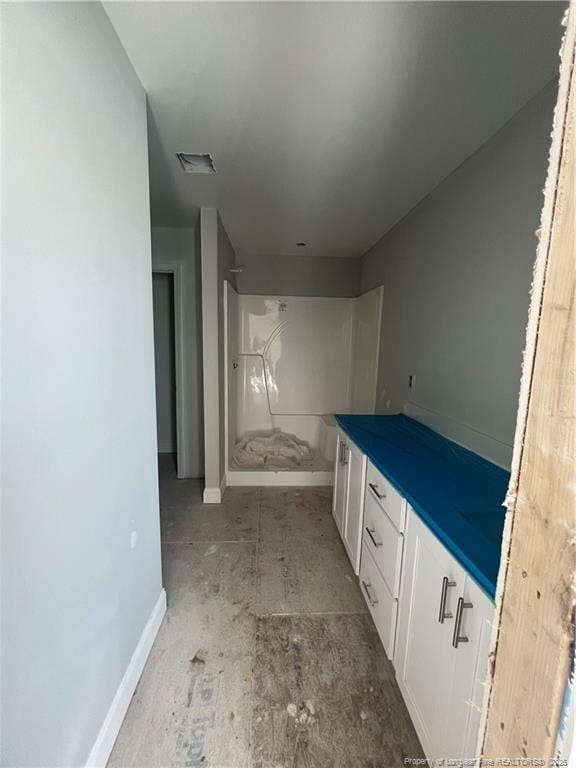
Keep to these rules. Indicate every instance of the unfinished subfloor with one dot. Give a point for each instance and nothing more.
(267, 656)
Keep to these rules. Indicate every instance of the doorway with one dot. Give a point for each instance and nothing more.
(165, 366)
(170, 365)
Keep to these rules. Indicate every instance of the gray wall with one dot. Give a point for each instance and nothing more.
(217, 258)
(299, 276)
(456, 274)
(181, 246)
(79, 468)
(164, 361)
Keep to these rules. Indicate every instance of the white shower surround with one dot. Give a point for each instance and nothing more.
(291, 363)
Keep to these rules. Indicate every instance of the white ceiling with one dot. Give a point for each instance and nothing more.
(327, 121)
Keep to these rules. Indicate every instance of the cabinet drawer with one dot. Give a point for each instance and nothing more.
(384, 493)
(383, 542)
(381, 604)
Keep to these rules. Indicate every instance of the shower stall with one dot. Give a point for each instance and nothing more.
(291, 363)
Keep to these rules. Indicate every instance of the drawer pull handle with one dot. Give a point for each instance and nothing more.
(372, 600)
(344, 452)
(442, 614)
(457, 637)
(374, 489)
(371, 532)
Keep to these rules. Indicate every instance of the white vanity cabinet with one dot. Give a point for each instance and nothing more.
(442, 643)
(434, 621)
(348, 499)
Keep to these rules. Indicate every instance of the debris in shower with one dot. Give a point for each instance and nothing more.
(272, 449)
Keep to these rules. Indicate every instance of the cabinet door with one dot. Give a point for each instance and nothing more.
(471, 666)
(355, 504)
(424, 658)
(340, 485)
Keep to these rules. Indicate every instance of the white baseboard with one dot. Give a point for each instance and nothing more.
(212, 496)
(113, 721)
(215, 495)
(262, 477)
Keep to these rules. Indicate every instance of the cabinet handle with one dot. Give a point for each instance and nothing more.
(372, 600)
(442, 612)
(371, 532)
(374, 489)
(344, 451)
(457, 638)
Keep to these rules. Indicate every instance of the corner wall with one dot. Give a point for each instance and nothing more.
(217, 256)
(80, 556)
(456, 273)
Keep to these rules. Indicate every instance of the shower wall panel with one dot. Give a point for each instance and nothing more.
(231, 352)
(295, 356)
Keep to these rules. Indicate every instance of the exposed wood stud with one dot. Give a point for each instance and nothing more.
(532, 641)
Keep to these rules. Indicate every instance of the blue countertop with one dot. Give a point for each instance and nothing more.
(458, 494)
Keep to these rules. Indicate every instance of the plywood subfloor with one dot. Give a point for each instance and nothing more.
(267, 656)
(325, 696)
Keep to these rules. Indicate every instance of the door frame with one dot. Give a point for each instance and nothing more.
(176, 269)
(529, 703)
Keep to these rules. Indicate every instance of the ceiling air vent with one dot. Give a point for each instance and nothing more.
(196, 163)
